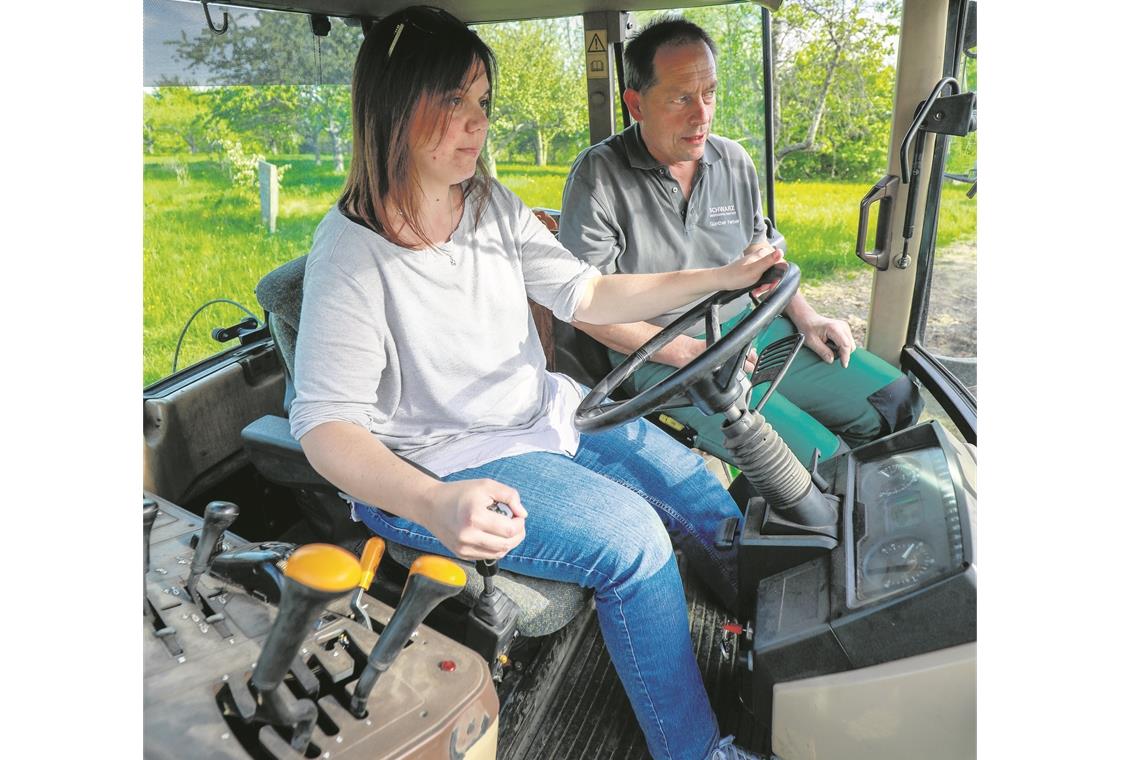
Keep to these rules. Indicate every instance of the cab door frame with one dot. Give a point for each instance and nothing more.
(931, 40)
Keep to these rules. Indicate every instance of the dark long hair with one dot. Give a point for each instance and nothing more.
(414, 56)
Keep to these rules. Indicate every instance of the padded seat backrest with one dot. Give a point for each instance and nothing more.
(279, 293)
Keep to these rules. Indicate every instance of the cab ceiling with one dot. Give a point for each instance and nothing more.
(471, 12)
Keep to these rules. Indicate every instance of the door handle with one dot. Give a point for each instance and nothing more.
(884, 193)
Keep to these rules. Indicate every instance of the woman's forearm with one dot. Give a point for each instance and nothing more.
(619, 298)
(456, 513)
(350, 458)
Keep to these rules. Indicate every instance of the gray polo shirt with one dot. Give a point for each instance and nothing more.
(622, 211)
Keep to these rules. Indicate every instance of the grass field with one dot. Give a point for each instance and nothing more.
(203, 238)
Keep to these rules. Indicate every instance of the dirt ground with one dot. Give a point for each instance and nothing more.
(952, 325)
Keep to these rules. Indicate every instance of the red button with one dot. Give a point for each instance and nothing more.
(736, 628)
(447, 666)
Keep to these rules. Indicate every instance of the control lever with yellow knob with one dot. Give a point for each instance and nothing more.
(369, 561)
(430, 580)
(315, 575)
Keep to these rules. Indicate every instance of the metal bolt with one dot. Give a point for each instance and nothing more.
(339, 739)
(203, 628)
(226, 735)
(160, 570)
(225, 676)
(181, 660)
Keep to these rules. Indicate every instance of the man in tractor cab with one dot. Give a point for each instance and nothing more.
(668, 194)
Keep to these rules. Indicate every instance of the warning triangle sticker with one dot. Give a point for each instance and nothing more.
(596, 45)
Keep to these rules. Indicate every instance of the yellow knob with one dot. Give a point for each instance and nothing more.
(369, 560)
(324, 567)
(438, 569)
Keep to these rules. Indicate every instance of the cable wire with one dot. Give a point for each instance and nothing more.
(211, 302)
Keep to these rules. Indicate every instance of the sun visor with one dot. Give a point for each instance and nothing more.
(258, 47)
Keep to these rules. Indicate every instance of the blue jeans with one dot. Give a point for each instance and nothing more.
(603, 519)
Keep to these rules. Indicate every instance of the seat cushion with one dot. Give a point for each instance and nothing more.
(545, 606)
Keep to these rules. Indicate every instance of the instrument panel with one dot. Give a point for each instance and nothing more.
(913, 533)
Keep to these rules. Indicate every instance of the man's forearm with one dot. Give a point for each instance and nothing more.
(627, 338)
(799, 310)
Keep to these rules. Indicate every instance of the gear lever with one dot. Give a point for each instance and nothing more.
(150, 513)
(493, 621)
(369, 560)
(430, 580)
(219, 516)
(315, 575)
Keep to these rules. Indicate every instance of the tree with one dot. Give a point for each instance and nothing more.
(834, 89)
(259, 52)
(541, 91)
(175, 120)
(833, 83)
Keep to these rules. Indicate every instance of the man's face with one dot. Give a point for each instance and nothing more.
(677, 111)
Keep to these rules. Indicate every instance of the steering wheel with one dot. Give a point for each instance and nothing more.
(709, 382)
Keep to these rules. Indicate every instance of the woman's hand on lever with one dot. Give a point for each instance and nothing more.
(749, 268)
(457, 513)
(463, 519)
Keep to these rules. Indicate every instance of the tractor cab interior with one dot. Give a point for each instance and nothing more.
(274, 626)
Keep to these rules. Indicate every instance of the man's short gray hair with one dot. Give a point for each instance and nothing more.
(662, 31)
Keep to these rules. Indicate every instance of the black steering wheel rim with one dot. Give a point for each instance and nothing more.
(594, 413)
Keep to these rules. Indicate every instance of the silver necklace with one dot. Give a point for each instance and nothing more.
(453, 224)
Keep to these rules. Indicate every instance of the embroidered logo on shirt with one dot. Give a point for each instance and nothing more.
(722, 215)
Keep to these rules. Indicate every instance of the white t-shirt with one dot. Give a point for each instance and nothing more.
(435, 351)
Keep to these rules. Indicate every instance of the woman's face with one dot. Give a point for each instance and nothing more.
(445, 154)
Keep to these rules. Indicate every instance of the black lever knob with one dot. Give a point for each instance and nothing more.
(487, 568)
(430, 580)
(219, 516)
(150, 513)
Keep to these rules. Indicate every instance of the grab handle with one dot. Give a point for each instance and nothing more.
(884, 192)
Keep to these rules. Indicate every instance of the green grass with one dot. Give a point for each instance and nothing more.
(203, 238)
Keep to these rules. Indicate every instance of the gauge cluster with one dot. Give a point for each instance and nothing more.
(909, 531)
(900, 582)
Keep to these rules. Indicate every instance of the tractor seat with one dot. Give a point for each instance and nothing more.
(546, 606)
